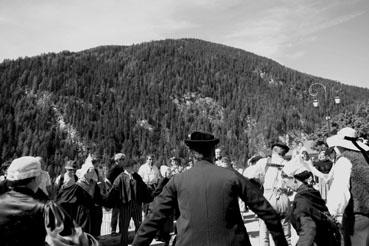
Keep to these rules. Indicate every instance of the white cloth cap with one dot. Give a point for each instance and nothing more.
(23, 168)
(87, 171)
(339, 140)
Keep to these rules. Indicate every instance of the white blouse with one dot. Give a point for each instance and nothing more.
(339, 193)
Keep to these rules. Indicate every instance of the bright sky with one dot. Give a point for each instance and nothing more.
(327, 38)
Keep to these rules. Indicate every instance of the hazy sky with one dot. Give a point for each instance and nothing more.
(327, 38)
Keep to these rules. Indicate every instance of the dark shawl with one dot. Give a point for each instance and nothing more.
(125, 190)
(80, 205)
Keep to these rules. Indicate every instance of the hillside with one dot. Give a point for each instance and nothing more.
(149, 97)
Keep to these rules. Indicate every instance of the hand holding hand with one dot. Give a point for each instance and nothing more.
(338, 218)
(168, 173)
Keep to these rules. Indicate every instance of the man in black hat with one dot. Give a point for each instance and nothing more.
(207, 198)
(267, 171)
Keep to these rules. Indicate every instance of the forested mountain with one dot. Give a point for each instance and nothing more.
(148, 97)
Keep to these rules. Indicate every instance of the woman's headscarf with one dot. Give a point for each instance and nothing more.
(87, 172)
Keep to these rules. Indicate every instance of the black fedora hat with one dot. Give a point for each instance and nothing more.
(281, 145)
(201, 139)
(303, 175)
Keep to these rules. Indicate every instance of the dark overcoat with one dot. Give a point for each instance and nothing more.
(310, 218)
(207, 198)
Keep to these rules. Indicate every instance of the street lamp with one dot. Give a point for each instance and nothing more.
(314, 93)
(316, 103)
(337, 99)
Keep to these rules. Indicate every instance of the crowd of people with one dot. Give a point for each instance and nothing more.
(199, 203)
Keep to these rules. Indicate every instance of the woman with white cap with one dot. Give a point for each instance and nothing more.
(68, 178)
(25, 220)
(79, 199)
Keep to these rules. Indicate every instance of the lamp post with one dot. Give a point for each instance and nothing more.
(314, 93)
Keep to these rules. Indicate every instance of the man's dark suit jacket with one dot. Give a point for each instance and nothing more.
(125, 190)
(114, 172)
(207, 197)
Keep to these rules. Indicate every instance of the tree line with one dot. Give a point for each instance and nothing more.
(147, 98)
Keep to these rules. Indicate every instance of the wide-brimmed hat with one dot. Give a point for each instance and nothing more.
(281, 145)
(23, 168)
(344, 138)
(201, 140)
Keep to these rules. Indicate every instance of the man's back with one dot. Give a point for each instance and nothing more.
(207, 198)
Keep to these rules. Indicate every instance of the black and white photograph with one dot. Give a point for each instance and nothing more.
(184, 122)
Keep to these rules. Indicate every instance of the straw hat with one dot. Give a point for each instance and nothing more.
(344, 138)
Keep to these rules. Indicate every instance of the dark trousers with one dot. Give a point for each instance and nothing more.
(96, 221)
(114, 219)
(127, 211)
(166, 229)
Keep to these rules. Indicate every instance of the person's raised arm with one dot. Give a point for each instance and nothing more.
(163, 206)
(315, 171)
(257, 171)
